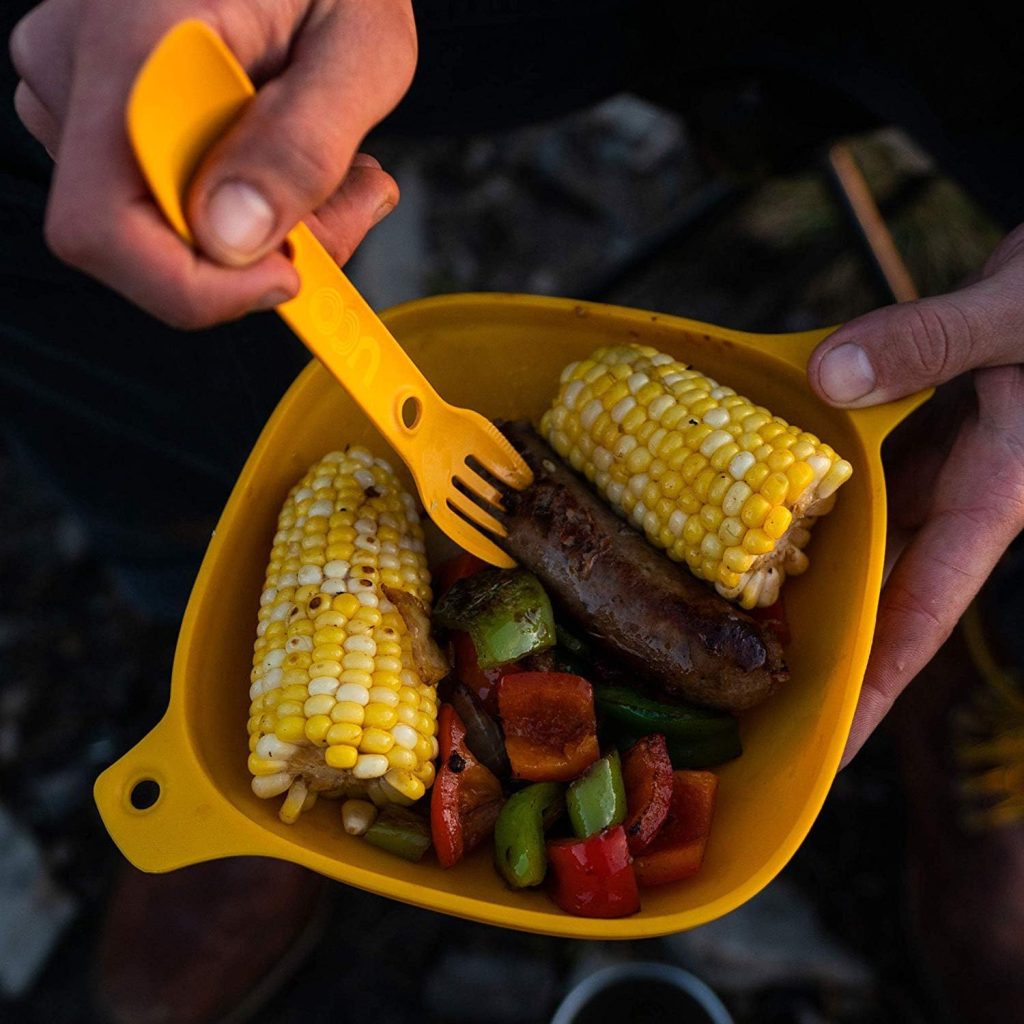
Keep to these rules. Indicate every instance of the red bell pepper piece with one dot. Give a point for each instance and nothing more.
(550, 726)
(457, 568)
(678, 849)
(466, 798)
(482, 681)
(593, 877)
(647, 774)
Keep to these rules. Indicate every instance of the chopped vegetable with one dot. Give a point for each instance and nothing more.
(647, 775)
(483, 734)
(678, 849)
(338, 700)
(738, 489)
(696, 737)
(401, 832)
(426, 655)
(594, 877)
(467, 797)
(549, 723)
(507, 614)
(462, 565)
(482, 681)
(519, 833)
(597, 799)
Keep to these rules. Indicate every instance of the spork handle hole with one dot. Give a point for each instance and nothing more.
(411, 410)
(144, 794)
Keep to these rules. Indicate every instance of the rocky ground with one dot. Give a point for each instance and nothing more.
(610, 205)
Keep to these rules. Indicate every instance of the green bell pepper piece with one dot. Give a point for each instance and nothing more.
(519, 833)
(506, 613)
(696, 737)
(597, 799)
(401, 832)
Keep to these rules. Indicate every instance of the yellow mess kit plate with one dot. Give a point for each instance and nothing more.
(502, 355)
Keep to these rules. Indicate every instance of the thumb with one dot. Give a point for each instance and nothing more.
(295, 142)
(895, 351)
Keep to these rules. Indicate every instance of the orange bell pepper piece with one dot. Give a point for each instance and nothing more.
(677, 851)
(550, 725)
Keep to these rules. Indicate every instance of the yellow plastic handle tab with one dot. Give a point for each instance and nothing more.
(164, 811)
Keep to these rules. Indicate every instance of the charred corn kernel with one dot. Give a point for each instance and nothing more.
(329, 666)
(711, 478)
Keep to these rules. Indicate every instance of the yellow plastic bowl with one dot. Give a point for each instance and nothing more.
(502, 354)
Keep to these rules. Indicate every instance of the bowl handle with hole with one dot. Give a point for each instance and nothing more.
(874, 423)
(189, 821)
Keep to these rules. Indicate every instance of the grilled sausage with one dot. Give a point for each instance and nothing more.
(631, 600)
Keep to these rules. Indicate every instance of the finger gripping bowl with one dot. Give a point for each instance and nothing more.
(502, 355)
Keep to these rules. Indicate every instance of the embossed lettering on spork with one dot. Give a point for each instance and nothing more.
(340, 323)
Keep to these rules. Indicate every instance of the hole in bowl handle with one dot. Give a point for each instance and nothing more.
(164, 812)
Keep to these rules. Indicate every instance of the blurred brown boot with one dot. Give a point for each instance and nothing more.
(209, 943)
(961, 734)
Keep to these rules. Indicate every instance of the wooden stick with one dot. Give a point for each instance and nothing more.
(871, 224)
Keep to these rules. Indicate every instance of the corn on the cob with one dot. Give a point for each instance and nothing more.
(717, 482)
(339, 705)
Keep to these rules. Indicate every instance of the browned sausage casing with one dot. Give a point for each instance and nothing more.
(632, 601)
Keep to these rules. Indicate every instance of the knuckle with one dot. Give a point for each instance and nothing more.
(185, 310)
(69, 238)
(313, 171)
(405, 52)
(918, 619)
(19, 48)
(925, 342)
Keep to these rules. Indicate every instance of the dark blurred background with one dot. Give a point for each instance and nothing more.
(623, 202)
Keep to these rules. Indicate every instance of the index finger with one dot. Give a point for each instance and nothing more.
(978, 508)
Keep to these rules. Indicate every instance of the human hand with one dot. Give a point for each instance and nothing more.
(955, 470)
(326, 70)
